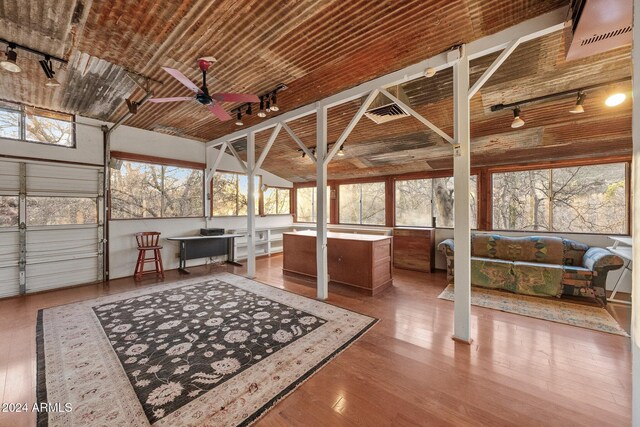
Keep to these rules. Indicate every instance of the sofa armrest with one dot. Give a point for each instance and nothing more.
(446, 247)
(599, 259)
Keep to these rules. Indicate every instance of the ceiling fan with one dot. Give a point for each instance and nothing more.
(211, 101)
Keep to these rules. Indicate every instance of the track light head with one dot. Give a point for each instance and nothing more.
(47, 67)
(239, 118)
(10, 62)
(579, 108)
(274, 103)
(268, 109)
(517, 121)
(249, 110)
(340, 152)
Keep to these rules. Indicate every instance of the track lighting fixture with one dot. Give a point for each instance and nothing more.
(47, 67)
(517, 121)
(249, 110)
(579, 101)
(10, 62)
(239, 118)
(132, 106)
(274, 104)
(268, 109)
(261, 113)
(340, 152)
(615, 97)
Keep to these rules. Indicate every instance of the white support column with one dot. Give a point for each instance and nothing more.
(635, 293)
(251, 205)
(461, 210)
(321, 203)
(209, 176)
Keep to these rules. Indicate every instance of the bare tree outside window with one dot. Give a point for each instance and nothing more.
(276, 201)
(141, 190)
(49, 131)
(9, 214)
(362, 203)
(61, 210)
(585, 199)
(306, 204)
(10, 124)
(420, 200)
(230, 194)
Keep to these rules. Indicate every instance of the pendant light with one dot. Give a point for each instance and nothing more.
(517, 121)
(578, 108)
(10, 63)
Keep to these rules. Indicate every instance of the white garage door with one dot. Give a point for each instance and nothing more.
(57, 239)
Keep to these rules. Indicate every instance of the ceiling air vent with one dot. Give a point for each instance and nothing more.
(597, 26)
(383, 110)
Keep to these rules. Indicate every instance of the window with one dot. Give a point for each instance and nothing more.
(418, 201)
(306, 204)
(362, 203)
(143, 190)
(584, 199)
(276, 201)
(61, 210)
(9, 211)
(36, 125)
(229, 194)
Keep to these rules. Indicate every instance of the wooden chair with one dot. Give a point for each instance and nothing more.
(148, 241)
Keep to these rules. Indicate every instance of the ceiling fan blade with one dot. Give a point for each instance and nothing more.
(182, 79)
(219, 112)
(174, 99)
(235, 97)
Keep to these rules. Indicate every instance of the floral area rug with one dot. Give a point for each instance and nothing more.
(584, 316)
(216, 351)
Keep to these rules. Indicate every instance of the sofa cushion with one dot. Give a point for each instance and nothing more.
(573, 252)
(492, 273)
(547, 250)
(538, 279)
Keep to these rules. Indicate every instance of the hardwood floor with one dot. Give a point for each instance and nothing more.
(406, 370)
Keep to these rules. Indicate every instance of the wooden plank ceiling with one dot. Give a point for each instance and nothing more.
(318, 48)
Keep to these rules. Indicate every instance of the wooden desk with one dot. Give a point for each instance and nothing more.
(193, 247)
(363, 261)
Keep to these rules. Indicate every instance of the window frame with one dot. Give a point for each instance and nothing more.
(560, 165)
(258, 188)
(277, 188)
(156, 161)
(21, 109)
(338, 184)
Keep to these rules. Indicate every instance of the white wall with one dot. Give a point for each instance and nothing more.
(598, 240)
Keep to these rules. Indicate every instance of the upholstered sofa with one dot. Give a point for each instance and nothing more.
(535, 265)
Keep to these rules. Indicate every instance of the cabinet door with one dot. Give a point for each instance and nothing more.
(350, 262)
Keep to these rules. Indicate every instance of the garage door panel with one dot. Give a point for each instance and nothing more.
(9, 176)
(9, 281)
(59, 274)
(57, 179)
